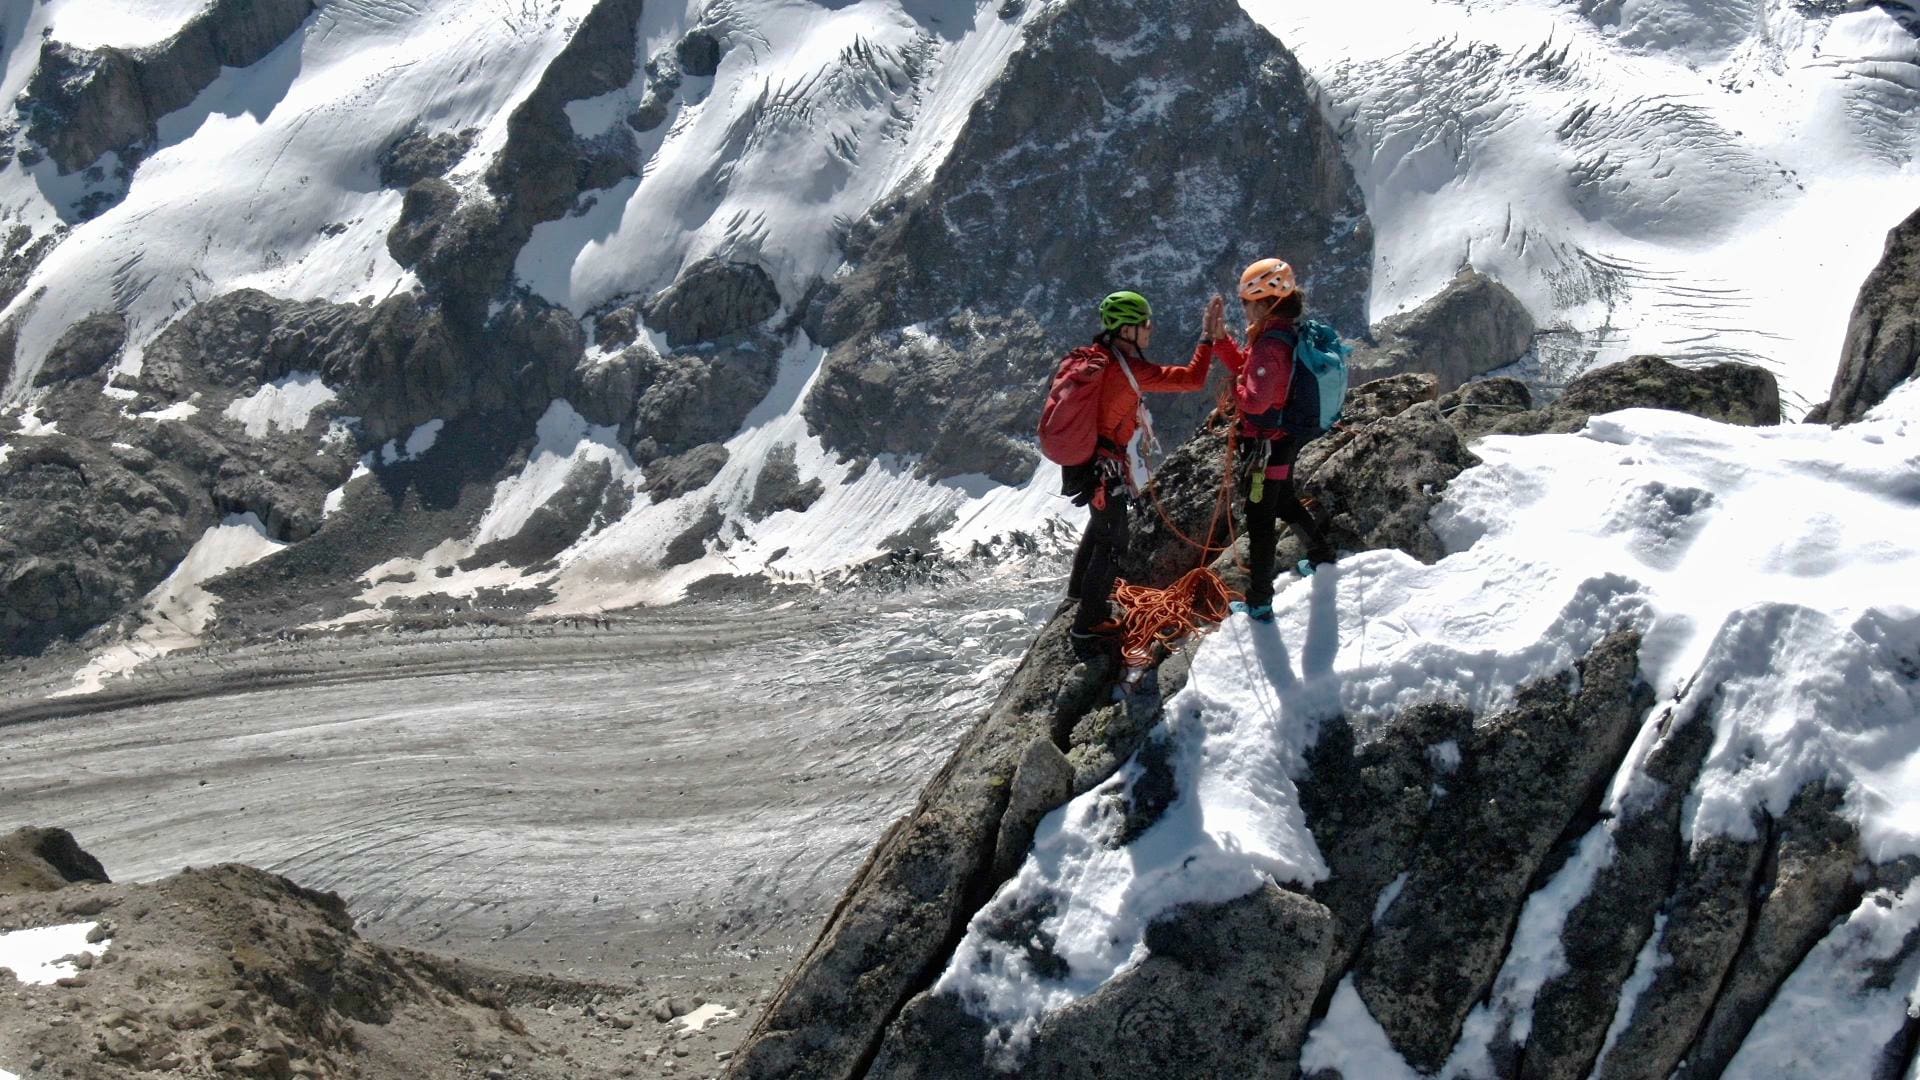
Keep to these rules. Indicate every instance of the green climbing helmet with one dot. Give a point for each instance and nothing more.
(1124, 308)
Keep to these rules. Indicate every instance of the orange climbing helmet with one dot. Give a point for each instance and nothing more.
(1268, 278)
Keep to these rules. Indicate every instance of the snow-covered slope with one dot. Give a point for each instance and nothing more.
(1679, 177)
(1762, 568)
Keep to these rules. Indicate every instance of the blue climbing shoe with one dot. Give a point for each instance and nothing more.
(1304, 568)
(1261, 614)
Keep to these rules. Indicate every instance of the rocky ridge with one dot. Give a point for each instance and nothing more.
(1525, 791)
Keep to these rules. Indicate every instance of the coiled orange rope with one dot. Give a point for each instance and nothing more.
(1156, 621)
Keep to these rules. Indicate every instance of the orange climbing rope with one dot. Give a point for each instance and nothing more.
(1156, 621)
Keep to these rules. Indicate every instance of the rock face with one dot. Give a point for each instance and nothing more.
(83, 103)
(1018, 224)
(1472, 327)
(1226, 990)
(422, 155)
(85, 530)
(1882, 349)
(1524, 779)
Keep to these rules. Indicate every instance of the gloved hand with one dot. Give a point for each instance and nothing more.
(1112, 473)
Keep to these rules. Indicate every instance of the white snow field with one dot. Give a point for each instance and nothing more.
(1698, 180)
(1707, 178)
(1770, 566)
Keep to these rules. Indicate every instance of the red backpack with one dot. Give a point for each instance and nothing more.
(1070, 420)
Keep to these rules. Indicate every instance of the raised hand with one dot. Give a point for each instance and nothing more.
(1214, 323)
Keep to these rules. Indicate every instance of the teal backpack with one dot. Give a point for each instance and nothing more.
(1312, 411)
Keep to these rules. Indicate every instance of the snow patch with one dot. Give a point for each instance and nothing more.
(418, 441)
(1350, 1041)
(285, 404)
(178, 411)
(705, 1016)
(41, 957)
(1831, 1018)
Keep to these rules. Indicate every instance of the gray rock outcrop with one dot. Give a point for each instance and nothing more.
(1473, 326)
(779, 487)
(1731, 393)
(86, 347)
(713, 300)
(1525, 777)
(85, 530)
(690, 398)
(1882, 348)
(82, 103)
(21, 253)
(422, 155)
(998, 262)
(670, 478)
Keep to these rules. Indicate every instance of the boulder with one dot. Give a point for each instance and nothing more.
(1478, 407)
(1731, 393)
(43, 860)
(1174, 124)
(85, 348)
(1472, 326)
(1378, 485)
(1882, 348)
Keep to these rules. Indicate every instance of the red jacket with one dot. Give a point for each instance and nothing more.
(1261, 381)
(1120, 406)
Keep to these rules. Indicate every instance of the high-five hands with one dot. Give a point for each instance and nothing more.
(1213, 325)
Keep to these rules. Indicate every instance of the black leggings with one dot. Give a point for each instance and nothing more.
(1097, 562)
(1280, 500)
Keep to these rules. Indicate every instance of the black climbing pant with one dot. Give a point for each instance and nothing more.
(1279, 500)
(1097, 562)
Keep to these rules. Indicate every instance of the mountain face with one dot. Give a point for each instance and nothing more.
(1156, 146)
